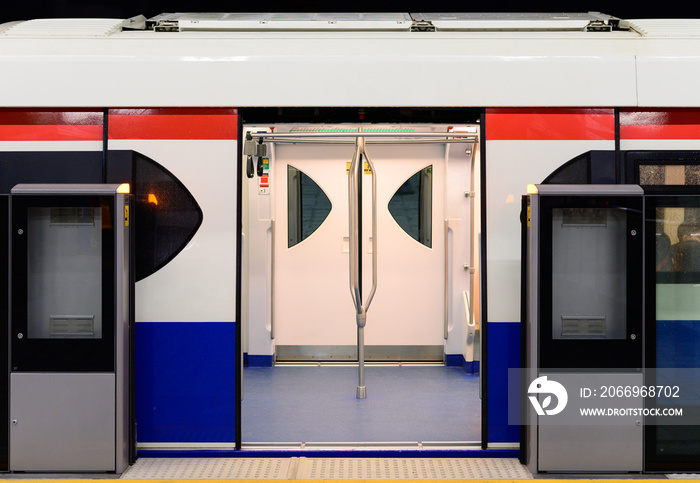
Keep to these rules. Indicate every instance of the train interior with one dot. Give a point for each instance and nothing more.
(415, 276)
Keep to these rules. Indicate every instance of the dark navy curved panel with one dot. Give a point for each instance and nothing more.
(49, 167)
(166, 215)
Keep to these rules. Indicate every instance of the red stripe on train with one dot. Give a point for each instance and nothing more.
(20, 117)
(51, 125)
(29, 132)
(660, 124)
(550, 124)
(173, 123)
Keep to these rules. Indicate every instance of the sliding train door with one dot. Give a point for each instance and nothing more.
(313, 311)
(367, 257)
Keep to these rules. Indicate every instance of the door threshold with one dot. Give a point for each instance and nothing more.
(354, 363)
(372, 446)
(348, 353)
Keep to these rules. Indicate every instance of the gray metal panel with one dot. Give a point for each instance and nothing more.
(121, 323)
(65, 189)
(590, 189)
(590, 448)
(604, 445)
(533, 310)
(62, 422)
(577, 447)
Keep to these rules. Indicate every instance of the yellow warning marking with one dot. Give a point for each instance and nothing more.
(126, 215)
(528, 216)
(347, 168)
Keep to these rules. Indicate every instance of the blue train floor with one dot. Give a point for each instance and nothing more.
(317, 403)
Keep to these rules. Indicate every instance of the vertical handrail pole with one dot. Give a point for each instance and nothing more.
(361, 316)
(354, 205)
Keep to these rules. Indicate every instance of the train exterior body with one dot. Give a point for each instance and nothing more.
(178, 90)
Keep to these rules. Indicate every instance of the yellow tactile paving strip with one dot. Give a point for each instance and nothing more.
(328, 470)
(365, 480)
(318, 468)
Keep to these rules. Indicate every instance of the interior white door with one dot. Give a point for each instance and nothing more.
(312, 301)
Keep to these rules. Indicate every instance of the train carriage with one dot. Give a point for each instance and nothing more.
(308, 187)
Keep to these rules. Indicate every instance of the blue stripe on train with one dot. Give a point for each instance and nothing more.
(185, 373)
(677, 342)
(503, 353)
(331, 453)
(185, 381)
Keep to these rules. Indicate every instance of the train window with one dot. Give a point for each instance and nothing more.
(677, 241)
(168, 213)
(64, 272)
(307, 206)
(412, 206)
(669, 174)
(589, 273)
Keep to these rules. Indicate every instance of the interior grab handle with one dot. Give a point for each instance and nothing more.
(354, 237)
(374, 229)
(447, 281)
(272, 279)
(468, 309)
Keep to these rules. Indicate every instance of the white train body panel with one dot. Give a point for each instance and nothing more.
(173, 294)
(319, 70)
(96, 66)
(535, 161)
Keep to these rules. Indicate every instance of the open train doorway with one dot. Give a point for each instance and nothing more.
(360, 292)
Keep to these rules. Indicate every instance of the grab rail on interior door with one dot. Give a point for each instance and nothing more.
(355, 217)
(272, 279)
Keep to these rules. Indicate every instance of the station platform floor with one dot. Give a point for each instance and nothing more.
(346, 470)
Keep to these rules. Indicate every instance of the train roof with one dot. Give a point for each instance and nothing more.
(351, 59)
